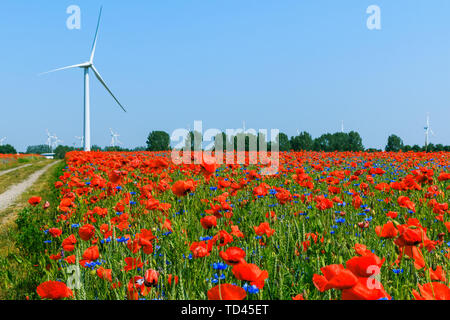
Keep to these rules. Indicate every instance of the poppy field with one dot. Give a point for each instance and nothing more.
(326, 226)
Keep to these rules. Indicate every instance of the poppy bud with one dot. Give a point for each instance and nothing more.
(46, 205)
(151, 278)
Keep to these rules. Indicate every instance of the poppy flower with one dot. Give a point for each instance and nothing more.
(386, 231)
(89, 255)
(438, 274)
(208, 222)
(151, 278)
(226, 291)
(264, 229)
(55, 232)
(86, 232)
(236, 232)
(132, 263)
(182, 188)
(54, 290)
(432, 291)
(199, 249)
(105, 274)
(68, 243)
(34, 201)
(250, 272)
(233, 255)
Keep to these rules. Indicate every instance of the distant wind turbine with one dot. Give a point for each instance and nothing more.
(428, 131)
(2, 140)
(114, 139)
(342, 126)
(49, 139)
(81, 139)
(86, 66)
(56, 141)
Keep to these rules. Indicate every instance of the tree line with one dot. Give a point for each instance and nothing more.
(328, 142)
(340, 141)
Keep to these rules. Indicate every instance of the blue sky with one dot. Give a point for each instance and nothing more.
(290, 64)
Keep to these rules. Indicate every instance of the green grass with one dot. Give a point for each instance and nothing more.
(18, 275)
(11, 163)
(21, 174)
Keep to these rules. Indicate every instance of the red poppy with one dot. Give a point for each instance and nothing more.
(250, 272)
(226, 291)
(55, 232)
(34, 201)
(103, 273)
(264, 229)
(386, 231)
(233, 256)
(208, 222)
(432, 291)
(182, 188)
(68, 243)
(151, 278)
(86, 232)
(54, 290)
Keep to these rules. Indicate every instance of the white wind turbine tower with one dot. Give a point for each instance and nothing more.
(428, 131)
(342, 126)
(86, 66)
(114, 139)
(2, 140)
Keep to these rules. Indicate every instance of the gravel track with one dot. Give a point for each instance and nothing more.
(13, 193)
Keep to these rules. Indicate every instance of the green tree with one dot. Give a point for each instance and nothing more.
(158, 141)
(283, 142)
(7, 149)
(394, 143)
(96, 148)
(39, 149)
(302, 142)
(60, 151)
(416, 148)
(323, 143)
(355, 141)
(439, 147)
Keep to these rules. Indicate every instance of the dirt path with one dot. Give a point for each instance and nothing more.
(9, 196)
(14, 169)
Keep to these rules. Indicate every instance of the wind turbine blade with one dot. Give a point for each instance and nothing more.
(68, 67)
(99, 77)
(94, 45)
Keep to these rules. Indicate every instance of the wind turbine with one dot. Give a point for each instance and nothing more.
(428, 131)
(86, 66)
(342, 126)
(2, 140)
(81, 139)
(56, 141)
(114, 139)
(49, 140)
